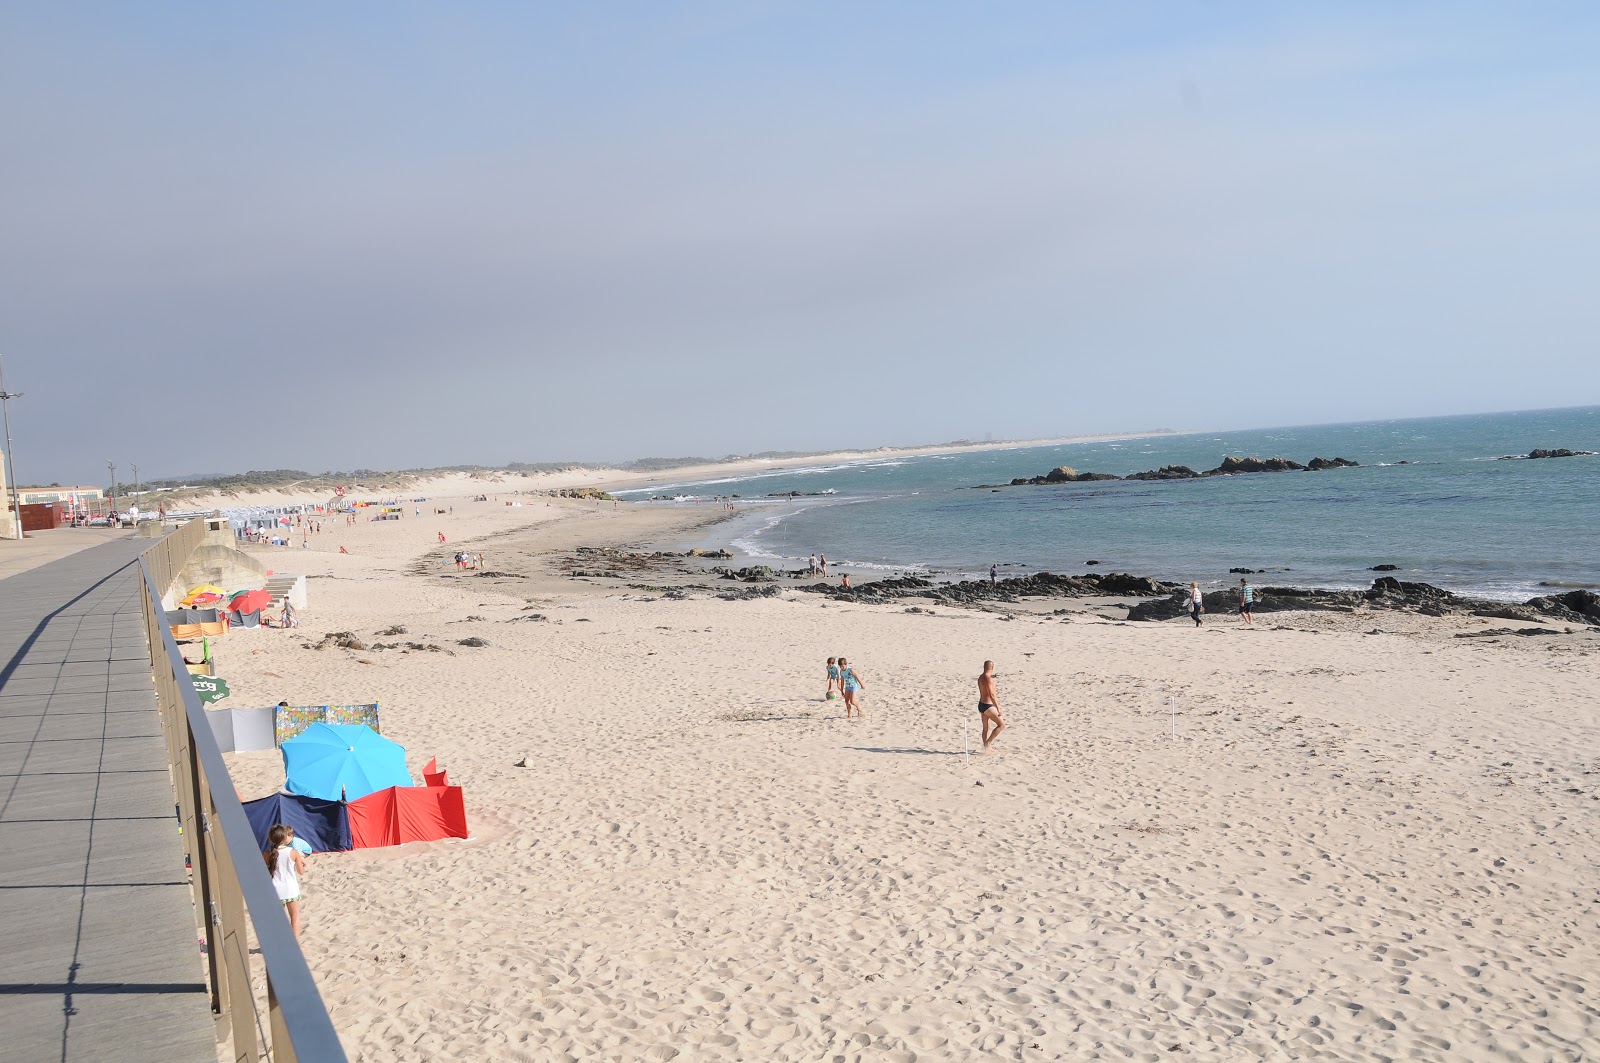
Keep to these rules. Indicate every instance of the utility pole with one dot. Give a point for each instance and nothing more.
(136, 481)
(11, 462)
(112, 466)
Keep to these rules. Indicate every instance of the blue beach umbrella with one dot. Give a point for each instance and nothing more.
(349, 760)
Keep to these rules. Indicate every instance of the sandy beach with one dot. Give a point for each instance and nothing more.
(1343, 836)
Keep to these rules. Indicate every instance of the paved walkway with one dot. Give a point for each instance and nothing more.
(98, 948)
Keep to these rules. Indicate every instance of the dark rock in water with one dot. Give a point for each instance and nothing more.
(1166, 472)
(1539, 452)
(1231, 465)
(1091, 562)
(1384, 568)
(1062, 474)
(1246, 571)
(1318, 464)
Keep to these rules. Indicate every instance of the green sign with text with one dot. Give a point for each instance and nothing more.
(210, 688)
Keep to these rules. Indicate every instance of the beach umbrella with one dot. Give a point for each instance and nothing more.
(204, 598)
(206, 588)
(328, 760)
(250, 601)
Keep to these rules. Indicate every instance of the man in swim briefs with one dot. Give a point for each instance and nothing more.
(989, 705)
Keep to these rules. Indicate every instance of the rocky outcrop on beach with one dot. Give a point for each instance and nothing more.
(975, 592)
(751, 574)
(1167, 601)
(1386, 592)
(1537, 452)
(1231, 465)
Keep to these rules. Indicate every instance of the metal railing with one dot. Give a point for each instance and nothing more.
(228, 874)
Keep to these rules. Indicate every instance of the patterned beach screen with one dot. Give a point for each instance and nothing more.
(290, 720)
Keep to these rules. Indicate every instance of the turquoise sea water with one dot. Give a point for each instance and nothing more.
(1454, 516)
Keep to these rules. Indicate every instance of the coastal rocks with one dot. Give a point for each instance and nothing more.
(977, 592)
(1539, 452)
(719, 555)
(1388, 585)
(1386, 592)
(473, 641)
(1166, 472)
(1231, 465)
(1063, 474)
(769, 591)
(1577, 607)
(753, 574)
(1498, 631)
(344, 640)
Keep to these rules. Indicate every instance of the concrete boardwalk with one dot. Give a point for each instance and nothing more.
(98, 949)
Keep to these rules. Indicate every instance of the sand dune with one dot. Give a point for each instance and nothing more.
(1357, 846)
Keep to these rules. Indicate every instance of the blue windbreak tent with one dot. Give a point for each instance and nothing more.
(324, 824)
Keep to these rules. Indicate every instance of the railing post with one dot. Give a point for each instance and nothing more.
(202, 870)
(235, 947)
(282, 1045)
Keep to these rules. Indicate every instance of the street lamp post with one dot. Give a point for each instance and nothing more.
(112, 466)
(11, 461)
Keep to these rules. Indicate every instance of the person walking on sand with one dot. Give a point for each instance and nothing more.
(853, 686)
(989, 705)
(1247, 602)
(811, 565)
(833, 679)
(285, 865)
(1197, 602)
(822, 560)
(994, 573)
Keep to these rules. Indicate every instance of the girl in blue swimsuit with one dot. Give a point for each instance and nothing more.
(852, 688)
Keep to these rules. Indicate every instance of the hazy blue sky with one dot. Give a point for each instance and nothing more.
(388, 234)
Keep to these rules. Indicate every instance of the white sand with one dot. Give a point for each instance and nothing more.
(1358, 846)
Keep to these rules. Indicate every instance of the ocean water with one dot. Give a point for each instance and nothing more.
(1453, 516)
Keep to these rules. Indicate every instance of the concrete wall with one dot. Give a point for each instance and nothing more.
(219, 564)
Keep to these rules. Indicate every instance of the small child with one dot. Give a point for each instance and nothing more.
(833, 679)
(286, 865)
